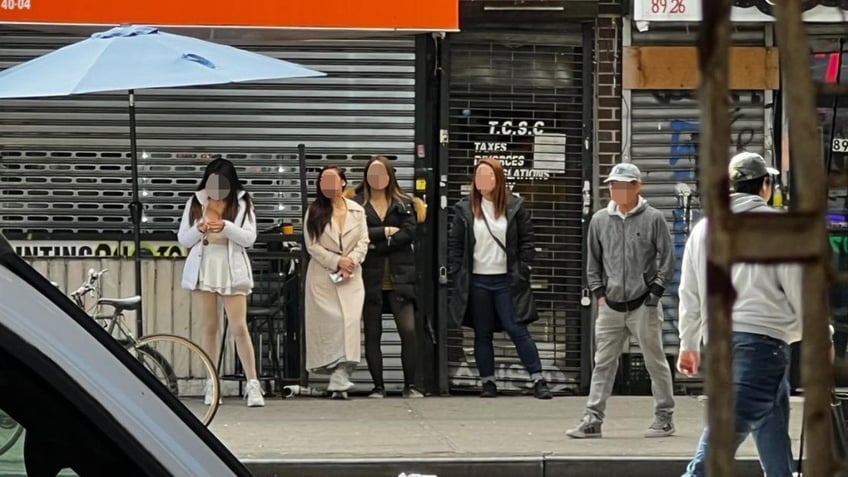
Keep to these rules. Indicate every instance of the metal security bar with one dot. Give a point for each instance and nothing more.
(799, 236)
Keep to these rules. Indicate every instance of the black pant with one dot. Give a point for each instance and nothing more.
(404, 313)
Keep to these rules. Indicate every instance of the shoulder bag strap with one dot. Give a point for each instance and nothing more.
(497, 240)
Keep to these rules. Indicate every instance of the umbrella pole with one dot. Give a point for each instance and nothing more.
(304, 257)
(135, 213)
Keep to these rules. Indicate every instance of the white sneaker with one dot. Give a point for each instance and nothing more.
(339, 381)
(207, 399)
(253, 394)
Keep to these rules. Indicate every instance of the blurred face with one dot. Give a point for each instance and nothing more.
(217, 187)
(484, 179)
(331, 184)
(767, 189)
(625, 193)
(378, 176)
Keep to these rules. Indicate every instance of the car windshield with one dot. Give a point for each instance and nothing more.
(72, 398)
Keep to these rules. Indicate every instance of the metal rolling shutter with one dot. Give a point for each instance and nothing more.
(665, 129)
(664, 144)
(530, 78)
(64, 162)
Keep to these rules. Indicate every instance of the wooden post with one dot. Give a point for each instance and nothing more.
(808, 169)
(713, 48)
(765, 238)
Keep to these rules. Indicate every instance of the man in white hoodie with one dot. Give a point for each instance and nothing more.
(766, 320)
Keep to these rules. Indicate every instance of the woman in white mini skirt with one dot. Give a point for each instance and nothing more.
(218, 225)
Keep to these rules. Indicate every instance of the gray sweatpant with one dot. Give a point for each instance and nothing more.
(612, 328)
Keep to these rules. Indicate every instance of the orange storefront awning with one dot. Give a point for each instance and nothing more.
(391, 15)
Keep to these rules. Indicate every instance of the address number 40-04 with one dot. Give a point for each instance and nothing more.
(15, 4)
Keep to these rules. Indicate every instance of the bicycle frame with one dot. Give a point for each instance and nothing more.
(93, 287)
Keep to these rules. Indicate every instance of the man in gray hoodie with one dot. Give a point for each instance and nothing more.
(631, 261)
(766, 320)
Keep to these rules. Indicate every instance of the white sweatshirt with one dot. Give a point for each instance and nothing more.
(489, 257)
(768, 298)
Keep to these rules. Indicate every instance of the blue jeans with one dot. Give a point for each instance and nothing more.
(760, 376)
(490, 299)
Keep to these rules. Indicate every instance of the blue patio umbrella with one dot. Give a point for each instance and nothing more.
(139, 57)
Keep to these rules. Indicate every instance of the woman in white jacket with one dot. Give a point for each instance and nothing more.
(218, 224)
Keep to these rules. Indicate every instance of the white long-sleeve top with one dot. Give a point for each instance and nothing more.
(489, 257)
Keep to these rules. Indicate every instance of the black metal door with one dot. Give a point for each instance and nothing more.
(519, 96)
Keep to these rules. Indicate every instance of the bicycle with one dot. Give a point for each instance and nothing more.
(179, 364)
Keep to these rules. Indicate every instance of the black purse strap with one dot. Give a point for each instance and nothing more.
(497, 240)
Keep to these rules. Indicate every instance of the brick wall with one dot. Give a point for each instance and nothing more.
(608, 87)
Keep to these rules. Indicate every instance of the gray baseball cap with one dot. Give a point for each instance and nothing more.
(747, 166)
(624, 172)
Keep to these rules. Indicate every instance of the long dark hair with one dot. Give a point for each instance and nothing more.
(321, 210)
(227, 170)
(393, 191)
(500, 196)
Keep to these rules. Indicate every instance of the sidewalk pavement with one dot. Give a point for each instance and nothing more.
(301, 431)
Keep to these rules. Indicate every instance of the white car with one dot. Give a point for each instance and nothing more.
(85, 404)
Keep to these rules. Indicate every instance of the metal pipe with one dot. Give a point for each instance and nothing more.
(136, 213)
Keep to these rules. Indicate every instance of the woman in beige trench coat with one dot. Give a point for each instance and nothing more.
(336, 237)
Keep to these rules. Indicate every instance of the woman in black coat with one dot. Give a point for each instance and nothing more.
(388, 271)
(490, 248)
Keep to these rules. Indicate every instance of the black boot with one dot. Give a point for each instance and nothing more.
(540, 389)
(490, 390)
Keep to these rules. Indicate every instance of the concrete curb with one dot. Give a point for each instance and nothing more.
(532, 466)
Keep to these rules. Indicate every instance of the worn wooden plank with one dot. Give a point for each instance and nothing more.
(816, 369)
(40, 266)
(160, 316)
(56, 273)
(181, 305)
(126, 288)
(713, 46)
(148, 293)
(676, 67)
(181, 299)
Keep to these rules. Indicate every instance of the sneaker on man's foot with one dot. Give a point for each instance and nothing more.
(409, 392)
(490, 390)
(586, 430)
(253, 394)
(541, 391)
(662, 427)
(377, 393)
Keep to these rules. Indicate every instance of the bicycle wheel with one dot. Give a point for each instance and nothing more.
(10, 432)
(155, 363)
(183, 368)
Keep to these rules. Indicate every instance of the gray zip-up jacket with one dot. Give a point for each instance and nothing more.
(631, 255)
